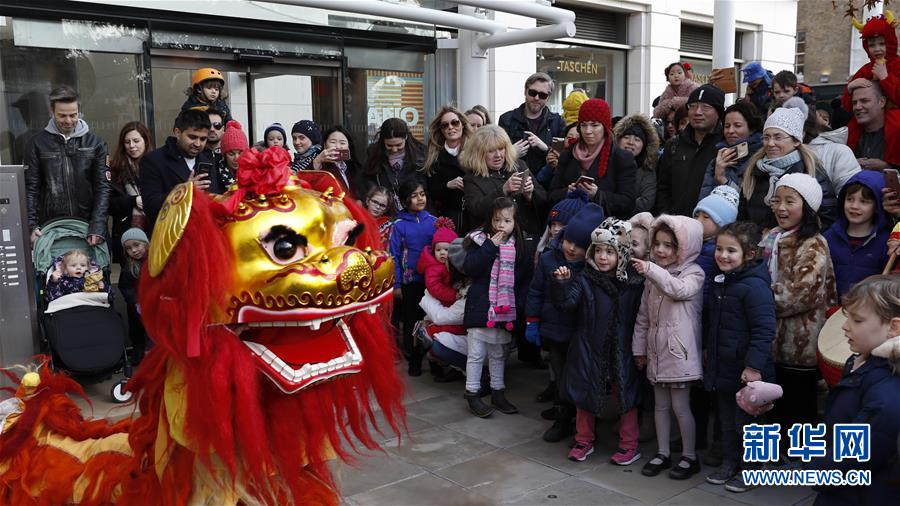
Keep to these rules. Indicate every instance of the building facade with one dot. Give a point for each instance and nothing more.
(132, 60)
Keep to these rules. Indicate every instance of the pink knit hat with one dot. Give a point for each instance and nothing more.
(444, 231)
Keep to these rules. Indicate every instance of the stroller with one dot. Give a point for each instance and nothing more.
(83, 333)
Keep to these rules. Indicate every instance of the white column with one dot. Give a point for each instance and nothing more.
(472, 67)
(655, 37)
(723, 37)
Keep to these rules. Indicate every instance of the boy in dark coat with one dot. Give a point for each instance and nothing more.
(548, 325)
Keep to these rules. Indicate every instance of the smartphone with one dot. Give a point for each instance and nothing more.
(742, 149)
(203, 168)
(559, 144)
(585, 179)
(892, 180)
(344, 154)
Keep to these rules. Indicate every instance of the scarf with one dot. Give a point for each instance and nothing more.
(304, 161)
(501, 291)
(396, 160)
(775, 168)
(770, 245)
(586, 156)
(453, 151)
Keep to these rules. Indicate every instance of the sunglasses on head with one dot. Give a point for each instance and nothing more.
(539, 94)
(218, 126)
(455, 123)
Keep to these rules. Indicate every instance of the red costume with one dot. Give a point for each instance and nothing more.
(880, 26)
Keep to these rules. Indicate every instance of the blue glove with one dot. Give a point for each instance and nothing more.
(533, 333)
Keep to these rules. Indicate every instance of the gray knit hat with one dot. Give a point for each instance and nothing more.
(136, 234)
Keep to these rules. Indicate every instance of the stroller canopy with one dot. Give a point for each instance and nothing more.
(62, 235)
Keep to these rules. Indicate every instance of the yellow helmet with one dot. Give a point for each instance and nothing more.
(206, 74)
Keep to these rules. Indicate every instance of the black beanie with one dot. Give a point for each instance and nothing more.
(309, 129)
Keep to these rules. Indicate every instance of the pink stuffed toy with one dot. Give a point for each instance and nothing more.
(758, 396)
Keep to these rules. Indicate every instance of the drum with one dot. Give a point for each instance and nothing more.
(833, 349)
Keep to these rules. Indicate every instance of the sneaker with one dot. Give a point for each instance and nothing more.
(656, 465)
(723, 475)
(580, 452)
(625, 457)
(682, 472)
(737, 485)
(558, 431)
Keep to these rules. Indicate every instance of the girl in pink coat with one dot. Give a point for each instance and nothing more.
(667, 335)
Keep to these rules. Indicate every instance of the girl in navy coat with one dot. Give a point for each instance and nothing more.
(496, 261)
(606, 297)
(858, 239)
(740, 316)
(868, 393)
(412, 232)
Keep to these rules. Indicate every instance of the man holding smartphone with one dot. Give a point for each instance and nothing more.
(531, 126)
(182, 158)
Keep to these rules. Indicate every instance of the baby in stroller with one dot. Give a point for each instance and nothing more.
(74, 272)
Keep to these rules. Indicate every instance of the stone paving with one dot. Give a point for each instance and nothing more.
(450, 457)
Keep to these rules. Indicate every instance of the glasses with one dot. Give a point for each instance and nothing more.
(700, 105)
(539, 94)
(378, 205)
(455, 123)
(218, 126)
(776, 138)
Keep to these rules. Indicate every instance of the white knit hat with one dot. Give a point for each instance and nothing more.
(789, 120)
(805, 185)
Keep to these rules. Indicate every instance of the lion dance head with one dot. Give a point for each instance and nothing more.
(267, 307)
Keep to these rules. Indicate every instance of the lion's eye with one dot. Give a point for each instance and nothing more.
(284, 249)
(284, 245)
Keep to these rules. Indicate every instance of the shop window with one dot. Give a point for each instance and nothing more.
(100, 60)
(599, 72)
(385, 84)
(800, 55)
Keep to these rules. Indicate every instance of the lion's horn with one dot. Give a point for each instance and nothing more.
(856, 23)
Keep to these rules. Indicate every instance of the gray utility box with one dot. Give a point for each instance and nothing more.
(18, 310)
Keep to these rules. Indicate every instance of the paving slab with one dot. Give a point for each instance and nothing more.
(629, 481)
(499, 429)
(573, 491)
(372, 471)
(437, 448)
(501, 475)
(697, 497)
(774, 496)
(425, 490)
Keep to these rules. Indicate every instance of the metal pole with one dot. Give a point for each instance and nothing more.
(723, 36)
(472, 61)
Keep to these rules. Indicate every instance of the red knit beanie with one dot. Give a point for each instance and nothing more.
(596, 109)
(234, 138)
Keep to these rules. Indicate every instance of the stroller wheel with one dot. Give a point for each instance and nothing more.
(118, 391)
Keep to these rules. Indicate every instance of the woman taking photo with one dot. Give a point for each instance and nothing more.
(636, 134)
(338, 157)
(742, 124)
(596, 165)
(394, 156)
(447, 135)
(493, 170)
(125, 205)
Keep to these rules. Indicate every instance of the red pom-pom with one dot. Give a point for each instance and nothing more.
(509, 326)
(444, 222)
(490, 324)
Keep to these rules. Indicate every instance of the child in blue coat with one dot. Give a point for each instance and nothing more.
(858, 239)
(716, 210)
(740, 329)
(412, 232)
(546, 324)
(868, 393)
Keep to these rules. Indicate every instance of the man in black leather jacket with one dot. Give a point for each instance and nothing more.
(65, 170)
(532, 126)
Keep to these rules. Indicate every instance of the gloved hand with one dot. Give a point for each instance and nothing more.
(533, 334)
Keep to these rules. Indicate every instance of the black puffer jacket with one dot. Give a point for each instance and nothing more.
(67, 177)
(616, 189)
(481, 192)
(443, 200)
(382, 174)
(679, 174)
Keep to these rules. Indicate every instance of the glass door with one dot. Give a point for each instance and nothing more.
(258, 94)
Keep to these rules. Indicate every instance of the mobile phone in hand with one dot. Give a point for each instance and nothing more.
(203, 168)
(559, 144)
(742, 149)
(892, 180)
(585, 180)
(344, 154)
